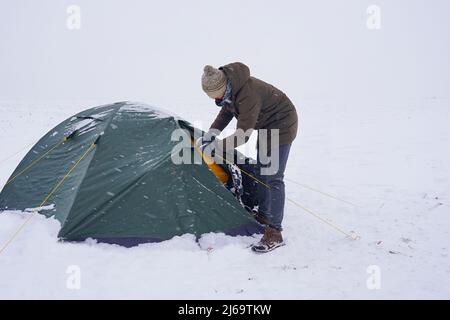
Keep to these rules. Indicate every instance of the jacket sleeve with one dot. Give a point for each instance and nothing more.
(222, 120)
(249, 109)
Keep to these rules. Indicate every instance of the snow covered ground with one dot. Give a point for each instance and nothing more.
(374, 110)
(390, 160)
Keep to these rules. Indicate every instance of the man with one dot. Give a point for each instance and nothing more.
(256, 105)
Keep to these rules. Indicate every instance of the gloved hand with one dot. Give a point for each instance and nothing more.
(202, 142)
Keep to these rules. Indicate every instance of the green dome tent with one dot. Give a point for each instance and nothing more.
(107, 173)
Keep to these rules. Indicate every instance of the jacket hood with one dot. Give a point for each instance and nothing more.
(238, 73)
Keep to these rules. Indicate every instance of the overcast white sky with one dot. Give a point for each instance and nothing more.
(154, 51)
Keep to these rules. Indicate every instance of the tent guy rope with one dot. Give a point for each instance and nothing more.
(57, 186)
(350, 235)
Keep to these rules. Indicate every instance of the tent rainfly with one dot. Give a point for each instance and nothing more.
(107, 174)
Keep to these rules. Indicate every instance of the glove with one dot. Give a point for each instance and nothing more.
(202, 142)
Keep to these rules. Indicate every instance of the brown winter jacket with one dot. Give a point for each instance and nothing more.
(256, 105)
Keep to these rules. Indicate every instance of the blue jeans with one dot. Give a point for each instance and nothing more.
(271, 192)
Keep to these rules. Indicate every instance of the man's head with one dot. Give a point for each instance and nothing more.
(214, 82)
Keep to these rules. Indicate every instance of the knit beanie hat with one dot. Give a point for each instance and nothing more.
(214, 82)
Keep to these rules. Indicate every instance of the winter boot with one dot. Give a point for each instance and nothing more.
(271, 240)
